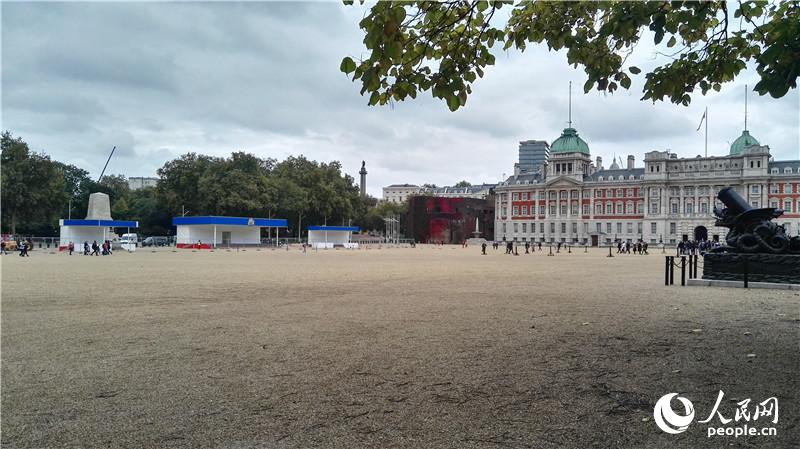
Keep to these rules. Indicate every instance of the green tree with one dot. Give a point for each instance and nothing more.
(145, 208)
(329, 195)
(373, 219)
(178, 185)
(78, 185)
(462, 184)
(445, 46)
(236, 186)
(33, 188)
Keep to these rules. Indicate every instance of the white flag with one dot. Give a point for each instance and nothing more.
(701, 120)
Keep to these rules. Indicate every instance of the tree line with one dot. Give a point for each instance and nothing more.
(37, 191)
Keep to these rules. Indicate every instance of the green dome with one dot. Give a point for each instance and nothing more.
(569, 142)
(742, 142)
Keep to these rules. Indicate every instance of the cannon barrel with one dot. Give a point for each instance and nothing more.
(733, 201)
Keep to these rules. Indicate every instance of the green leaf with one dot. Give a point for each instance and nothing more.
(348, 65)
(374, 98)
(671, 42)
(452, 102)
(625, 82)
(635, 70)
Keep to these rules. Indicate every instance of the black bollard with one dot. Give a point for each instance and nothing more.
(551, 251)
(569, 249)
(691, 268)
(745, 267)
(666, 270)
(671, 270)
(695, 266)
(683, 270)
(585, 249)
(609, 252)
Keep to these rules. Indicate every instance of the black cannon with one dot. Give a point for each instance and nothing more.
(752, 229)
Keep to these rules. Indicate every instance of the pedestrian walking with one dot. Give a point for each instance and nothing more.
(71, 248)
(95, 249)
(86, 248)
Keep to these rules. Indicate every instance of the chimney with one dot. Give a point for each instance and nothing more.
(516, 169)
(599, 163)
(630, 161)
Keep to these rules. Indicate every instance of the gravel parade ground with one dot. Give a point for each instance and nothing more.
(427, 347)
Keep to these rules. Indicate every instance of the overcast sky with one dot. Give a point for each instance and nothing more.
(160, 80)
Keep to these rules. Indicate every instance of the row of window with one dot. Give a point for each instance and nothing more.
(783, 188)
(619, 178)
(653, 192)
(563, 194)
(525, 228)
(674, 208)
(610, 228)
(787, 205)
(600, 209)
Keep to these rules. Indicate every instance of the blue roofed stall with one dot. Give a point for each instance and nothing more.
(205, 232)
(332, 236)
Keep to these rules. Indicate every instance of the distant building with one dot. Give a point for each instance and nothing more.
(533, 154)
(398, 193)
(140, 182)
(480, 191)
(668, 200)
(449, 219)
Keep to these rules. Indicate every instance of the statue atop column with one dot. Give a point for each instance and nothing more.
(363, 174)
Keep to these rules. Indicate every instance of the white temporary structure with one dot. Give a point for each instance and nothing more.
(331, 236)
(212, 231)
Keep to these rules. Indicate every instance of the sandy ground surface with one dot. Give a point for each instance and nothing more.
(405, 348)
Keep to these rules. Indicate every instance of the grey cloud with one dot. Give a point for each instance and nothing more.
(162, 79)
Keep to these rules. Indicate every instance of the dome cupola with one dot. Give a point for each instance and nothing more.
(742, 142)
(569, 142)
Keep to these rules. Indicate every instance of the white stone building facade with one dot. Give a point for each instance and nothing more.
(668, 200)
(399, 193)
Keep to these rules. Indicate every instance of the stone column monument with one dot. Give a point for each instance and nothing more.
(363, 174)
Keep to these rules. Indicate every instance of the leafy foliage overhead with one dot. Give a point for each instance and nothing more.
(446, 46)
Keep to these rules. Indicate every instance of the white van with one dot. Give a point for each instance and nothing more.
(128, 242)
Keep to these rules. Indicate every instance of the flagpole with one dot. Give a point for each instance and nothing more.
(706, 131)
(745, 107)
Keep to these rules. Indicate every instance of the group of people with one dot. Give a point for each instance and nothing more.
(687, 247)
(23, 246)
(94, 250)
(529, 247)
(639, 247)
